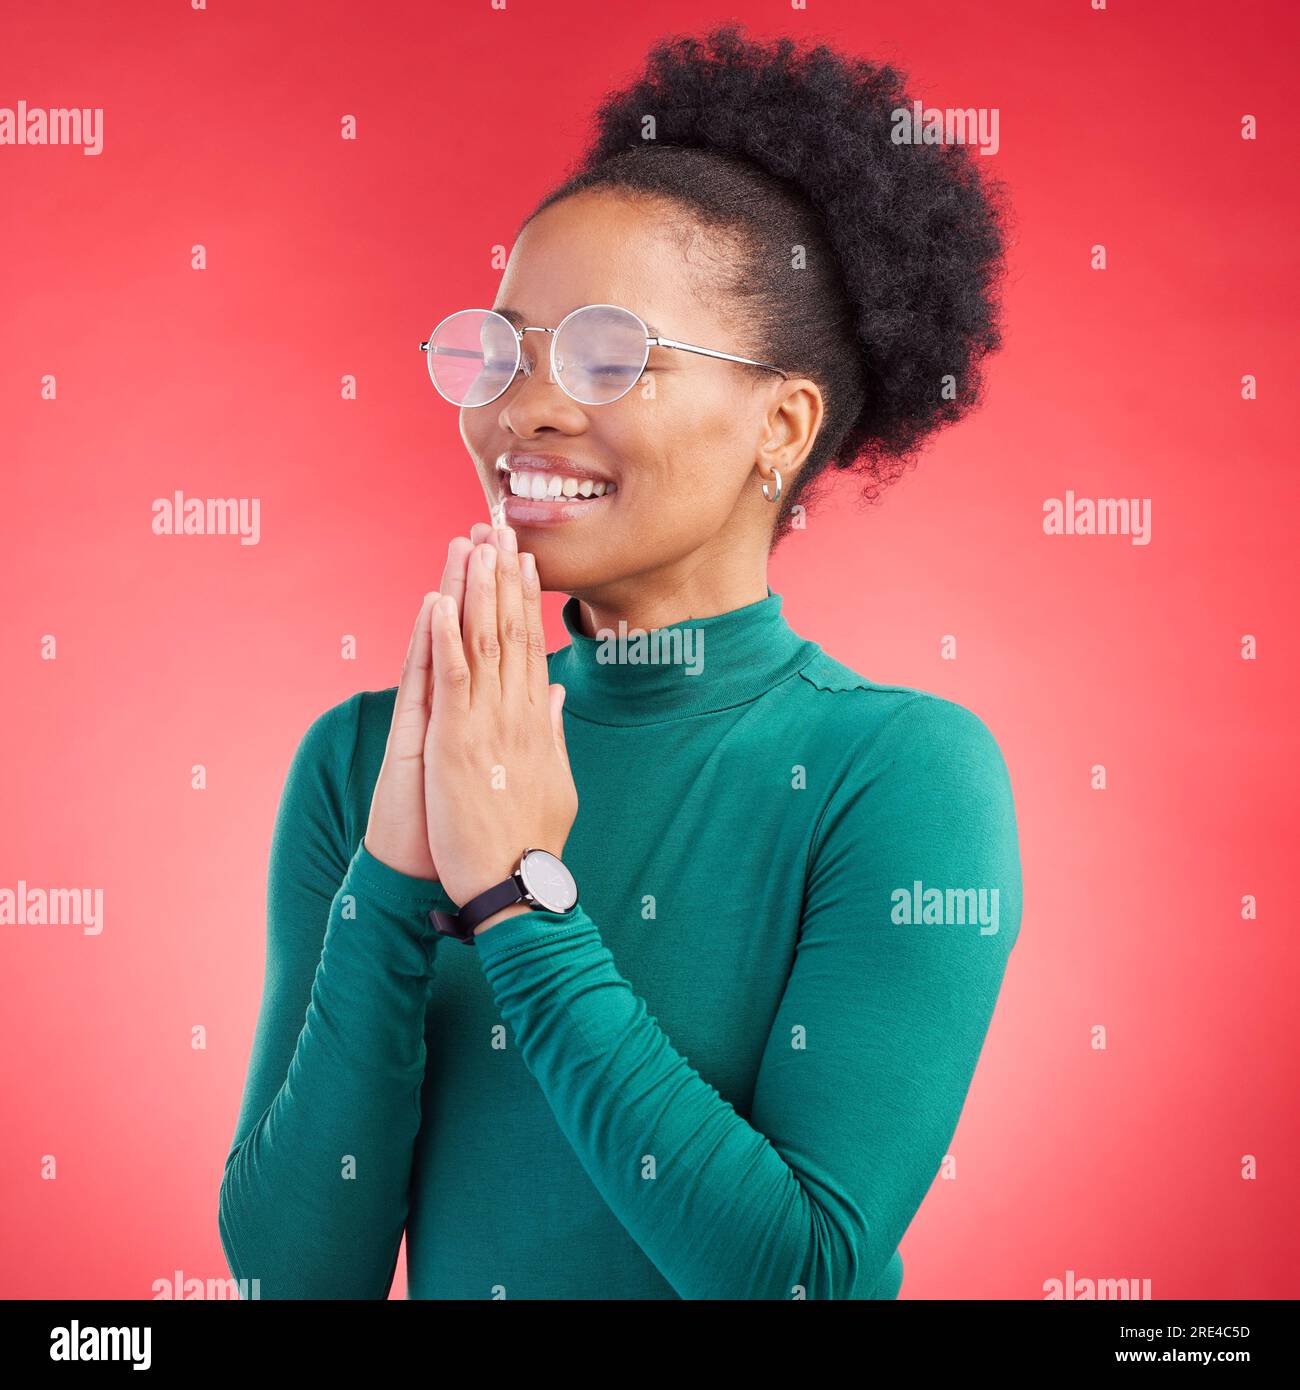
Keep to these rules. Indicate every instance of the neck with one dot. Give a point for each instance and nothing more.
(626, 673)
(698, 587)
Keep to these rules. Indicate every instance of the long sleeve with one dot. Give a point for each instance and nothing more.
(869, 1059)
(315, 1191)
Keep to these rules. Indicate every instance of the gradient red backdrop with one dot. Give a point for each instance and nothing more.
(328, 257)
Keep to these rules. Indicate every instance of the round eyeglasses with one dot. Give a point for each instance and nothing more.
(598, 353)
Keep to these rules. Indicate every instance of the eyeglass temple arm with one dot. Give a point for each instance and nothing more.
(709, 352)
(452, 352)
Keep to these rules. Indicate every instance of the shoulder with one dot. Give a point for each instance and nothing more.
(338, 740)
(334, 769)
(883, 724)
(923, 795)
(355, 732)
(330, 736)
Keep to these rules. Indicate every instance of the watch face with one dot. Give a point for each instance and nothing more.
(548, 882)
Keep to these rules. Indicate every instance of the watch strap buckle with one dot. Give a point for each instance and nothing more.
(461, 925)
(449, 924)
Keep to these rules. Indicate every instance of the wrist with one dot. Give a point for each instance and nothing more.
(513, 911)
(409, 866)
(468, 884)
(538, 881)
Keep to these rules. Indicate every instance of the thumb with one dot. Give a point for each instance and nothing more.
(555, 695)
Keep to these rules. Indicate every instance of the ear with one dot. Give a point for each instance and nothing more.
(793, 422)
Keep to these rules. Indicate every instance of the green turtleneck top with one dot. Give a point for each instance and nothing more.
(731, 1071)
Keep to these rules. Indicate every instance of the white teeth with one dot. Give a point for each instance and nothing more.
(550, 487)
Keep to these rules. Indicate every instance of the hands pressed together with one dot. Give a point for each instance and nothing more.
(475, 770)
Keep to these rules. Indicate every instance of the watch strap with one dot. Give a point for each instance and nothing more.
(461, 925)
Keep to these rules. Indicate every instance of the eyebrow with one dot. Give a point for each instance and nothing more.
(517, 319)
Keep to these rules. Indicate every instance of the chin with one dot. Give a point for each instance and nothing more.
(569, 563)
(561, 571)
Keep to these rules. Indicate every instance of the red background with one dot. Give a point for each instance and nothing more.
(328, 257)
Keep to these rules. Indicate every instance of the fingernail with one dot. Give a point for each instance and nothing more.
(528, 565)
(509, 541)
(489, 553)
(447, 607)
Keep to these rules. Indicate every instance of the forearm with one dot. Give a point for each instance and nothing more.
(708, 1198)
(315, 1193)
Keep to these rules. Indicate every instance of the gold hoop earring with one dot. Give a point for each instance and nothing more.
(770, 496)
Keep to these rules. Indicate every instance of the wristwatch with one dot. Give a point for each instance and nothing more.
(540, 880)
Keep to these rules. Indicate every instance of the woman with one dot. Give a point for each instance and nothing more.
(732, 1067)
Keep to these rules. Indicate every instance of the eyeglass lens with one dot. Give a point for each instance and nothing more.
(600, 351)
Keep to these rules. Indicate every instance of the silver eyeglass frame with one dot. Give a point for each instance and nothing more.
(521, 361)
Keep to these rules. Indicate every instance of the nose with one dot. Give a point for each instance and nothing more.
(537, 401)
(535, 360)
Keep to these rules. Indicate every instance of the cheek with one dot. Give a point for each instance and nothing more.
(475, 433)
(690, 441)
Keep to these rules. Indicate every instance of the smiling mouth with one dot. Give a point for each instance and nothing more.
(553, 487)
(548, 495)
